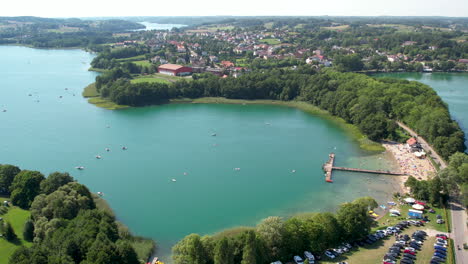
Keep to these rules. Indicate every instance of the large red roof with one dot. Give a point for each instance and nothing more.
(169, 66)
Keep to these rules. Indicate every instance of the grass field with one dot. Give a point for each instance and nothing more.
(401, 28)
(135, 58)
(342, 27)
(388, 220)
(142, 63)
(270, 41)
(268, 25)
(106, 103)
(149, 79)
(17, 217)
(90, 91)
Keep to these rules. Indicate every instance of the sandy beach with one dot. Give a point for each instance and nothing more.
(421, 169)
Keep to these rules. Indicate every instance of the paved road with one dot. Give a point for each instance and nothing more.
(459, 232)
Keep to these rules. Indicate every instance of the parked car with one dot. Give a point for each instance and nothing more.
(408, 255)
(329, 254)
(440, 248)
(440, 244)
(439, 255)
(410, 248)
(441, 252)
(309, 256)
(444, 237)
(298, 260)
(349, 246)
(277, 262)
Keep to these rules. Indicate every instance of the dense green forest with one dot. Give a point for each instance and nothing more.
(371, 104)
(277, 239)
(66, 227)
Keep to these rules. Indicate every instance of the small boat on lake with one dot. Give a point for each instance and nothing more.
(124, 148)
(293, 171)
(98, 157)
(173, 180)
(100, 193)
(79, 167)
(213, 135)
(107, 149)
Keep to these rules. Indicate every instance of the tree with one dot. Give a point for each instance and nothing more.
(126, 253)
(25, 187)
(249, 252)
(223, 253)
(190, 250)
(271, 230)
(354, 220)
(65, 202)
(7, 174)
(9, 232)
(28, 232)
(55, 181)
(102, 251)
(351, 62)
(367, 202)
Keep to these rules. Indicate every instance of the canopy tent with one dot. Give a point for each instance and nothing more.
(418, 207)
(410, 200)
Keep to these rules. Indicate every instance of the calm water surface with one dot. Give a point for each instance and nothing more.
(49, 127)
(452, 87)
(157, 26)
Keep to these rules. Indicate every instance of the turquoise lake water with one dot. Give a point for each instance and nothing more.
(49, 127)
(452, 87)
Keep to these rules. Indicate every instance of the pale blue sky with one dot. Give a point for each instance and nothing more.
(90, 8)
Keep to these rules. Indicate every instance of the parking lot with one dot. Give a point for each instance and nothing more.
(374, 253)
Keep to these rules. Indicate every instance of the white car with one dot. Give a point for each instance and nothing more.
(410, 249)
(309, 255)
(329, 254)
(441, 241)
(298, 260)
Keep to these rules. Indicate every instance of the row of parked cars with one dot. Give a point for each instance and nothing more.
(299, 260)
(405, 247)
(440, 249)
(331, 253)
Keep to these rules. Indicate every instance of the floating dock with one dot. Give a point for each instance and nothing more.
(328, 168)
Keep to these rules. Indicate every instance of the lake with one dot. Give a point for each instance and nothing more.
(157, 26)
(49, 127)
(451, 87)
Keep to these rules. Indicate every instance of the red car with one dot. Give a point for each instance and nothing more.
(410, 252)
(444, 237)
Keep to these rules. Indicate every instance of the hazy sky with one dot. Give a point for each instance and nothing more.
(89, 8)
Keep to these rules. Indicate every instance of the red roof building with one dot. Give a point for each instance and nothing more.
(227, 64)
(174, 70)
(411, 141)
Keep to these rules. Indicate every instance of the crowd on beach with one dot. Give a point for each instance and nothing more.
(409, 164)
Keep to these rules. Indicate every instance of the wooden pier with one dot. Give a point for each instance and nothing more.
(328, 167)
